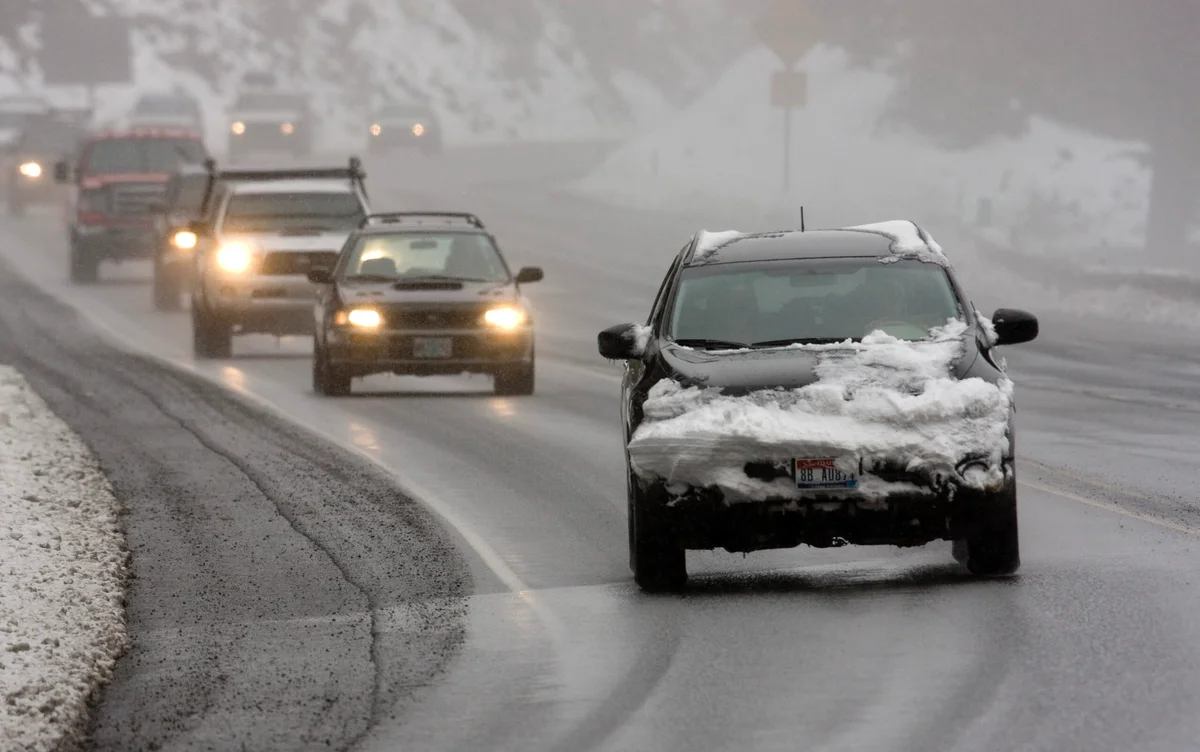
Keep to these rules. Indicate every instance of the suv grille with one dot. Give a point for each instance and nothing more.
(296, 262)
(440, 316)
(135, 199)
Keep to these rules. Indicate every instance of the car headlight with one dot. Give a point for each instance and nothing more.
(238, 128)
(376, 129)
(287, 129)
(31, 170)
(184, 239)
(363, 318)
(505, 317)
(418, 129)
(234, 257)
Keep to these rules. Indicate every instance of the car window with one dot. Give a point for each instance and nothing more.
(277, 212)
(824, 300)
(459, 255)
(129, 155)
(664, 289)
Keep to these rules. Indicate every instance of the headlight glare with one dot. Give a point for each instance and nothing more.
(184, 239)
(238, 128)
(287, 129)
(234, 257)
(31, 170)
(418, 129)
(506, 317)
(364, 318)
(376, 129)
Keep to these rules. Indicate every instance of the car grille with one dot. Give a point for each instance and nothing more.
(135, 199)
(431, 317)
(277, 263)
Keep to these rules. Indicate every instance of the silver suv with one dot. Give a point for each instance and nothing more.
(268, 228)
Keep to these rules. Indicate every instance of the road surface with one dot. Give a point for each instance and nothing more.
(528, 634)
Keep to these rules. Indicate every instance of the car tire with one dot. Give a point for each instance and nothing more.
(212, 336)
(992, 545)
(515, 381)
(327, 379)
(167, 288)
(656, 555)
(84, 268)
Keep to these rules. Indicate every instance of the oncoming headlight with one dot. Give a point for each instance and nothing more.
(505, 317)
(287, 129)
(234, 257)
(418, 129)
(238, 128)
(376, 129)
(184, 239)
(31, 170)
(363, 318)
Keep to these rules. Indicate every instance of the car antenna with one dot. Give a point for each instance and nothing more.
(801, 219)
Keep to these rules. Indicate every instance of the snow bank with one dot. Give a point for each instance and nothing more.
(884, 400)
(62, 575)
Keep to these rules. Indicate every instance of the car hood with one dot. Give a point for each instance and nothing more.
(331, 241)
(471, 292)
(738, 372)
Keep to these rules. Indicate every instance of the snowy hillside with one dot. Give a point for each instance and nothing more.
(726, 150)
(517, 69)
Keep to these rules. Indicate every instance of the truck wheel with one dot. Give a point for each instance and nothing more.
(992, 545)
(327, 379)
(167, 286)
(656, 554)
(212, 337)
(85, 268)
(515, 381)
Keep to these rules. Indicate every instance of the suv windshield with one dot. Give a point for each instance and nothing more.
(270, 101)
(277, 212)
(811, 301)
(130, 155)
(455, 255)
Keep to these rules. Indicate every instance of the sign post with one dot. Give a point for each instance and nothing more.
(788, 28)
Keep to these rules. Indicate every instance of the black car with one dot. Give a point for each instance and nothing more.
(423, 293)
(45, 140)
(405, 126)
(270, 120)
(177, 244)
(824, 388)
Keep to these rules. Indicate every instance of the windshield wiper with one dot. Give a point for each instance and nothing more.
(369, 278)
(801, 341)
(712, 344)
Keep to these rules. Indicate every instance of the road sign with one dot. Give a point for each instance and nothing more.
(789, 28)
(78, 48)
(789, 88)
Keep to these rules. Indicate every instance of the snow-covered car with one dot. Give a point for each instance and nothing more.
(824, 388)
(251, 261)
(399, 126)
(421, 293)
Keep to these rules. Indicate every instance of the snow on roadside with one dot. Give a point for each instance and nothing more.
(62, 575)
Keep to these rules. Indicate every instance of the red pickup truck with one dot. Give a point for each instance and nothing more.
(118, 182)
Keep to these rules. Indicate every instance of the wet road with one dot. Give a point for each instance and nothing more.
(1091, 647)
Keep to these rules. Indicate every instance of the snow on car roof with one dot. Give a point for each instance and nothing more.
(292, 185)
(908, 240)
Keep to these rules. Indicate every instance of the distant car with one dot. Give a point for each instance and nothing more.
(822, 388)
(29, 166)
(405, 126)
(176, 245)
(117, 181)
(423, 293)
(167, 110)
(268, 228)
(270, 120)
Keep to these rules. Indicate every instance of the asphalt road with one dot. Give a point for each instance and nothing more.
(1090, 647)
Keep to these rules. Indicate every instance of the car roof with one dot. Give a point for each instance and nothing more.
(291, 185)
(146, 133)
(899, 238)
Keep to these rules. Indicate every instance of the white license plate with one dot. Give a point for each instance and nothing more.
(822, 472)
(433, 347)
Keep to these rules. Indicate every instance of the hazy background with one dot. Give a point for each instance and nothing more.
(1064, 129)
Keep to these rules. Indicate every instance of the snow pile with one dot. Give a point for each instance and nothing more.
(62, 575)
(723, 156)
(909, 241)
(887, 401)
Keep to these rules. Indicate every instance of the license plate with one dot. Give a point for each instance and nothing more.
(822, 472)
(433, 347)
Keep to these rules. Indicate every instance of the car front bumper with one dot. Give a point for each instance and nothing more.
(407, 352)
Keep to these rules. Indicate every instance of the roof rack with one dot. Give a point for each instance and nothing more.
(353, 172)
(395, 218)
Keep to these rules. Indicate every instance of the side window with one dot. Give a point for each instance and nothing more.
(660, 299)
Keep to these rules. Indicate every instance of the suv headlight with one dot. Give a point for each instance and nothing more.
(31, 170)
(234, 258)
(361, 318)
(184, 240)
(504, 317)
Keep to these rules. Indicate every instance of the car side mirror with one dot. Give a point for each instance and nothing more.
(530, 274)
(319, 275)
(62, 172)
(1014, 326)
(622, 342)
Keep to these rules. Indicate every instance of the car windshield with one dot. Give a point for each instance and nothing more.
(269, 101)
(278, 212)
(810, 301)
(165, 106)
(453, 255)
(127, 155)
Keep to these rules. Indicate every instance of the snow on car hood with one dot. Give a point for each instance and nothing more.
(883, 400)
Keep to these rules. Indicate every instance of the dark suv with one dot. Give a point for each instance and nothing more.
(823, 388)
(423, 293)
(176, 244)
